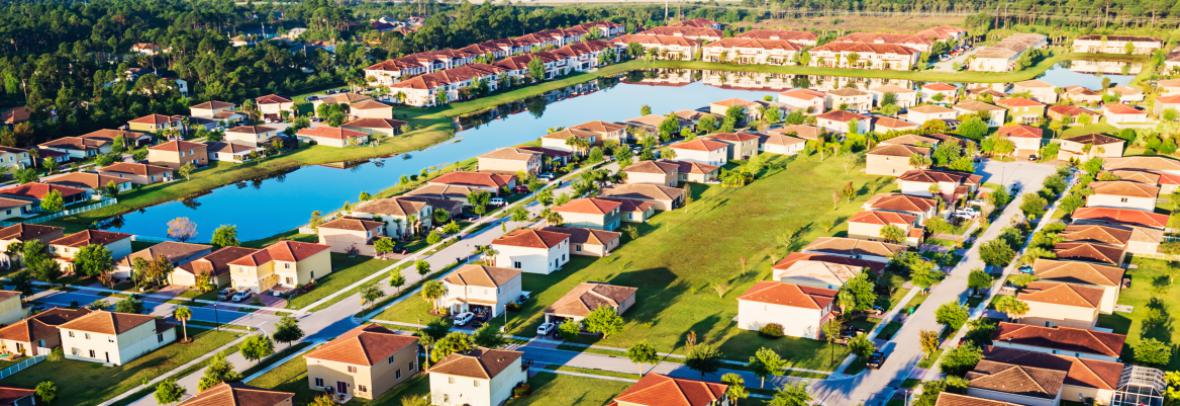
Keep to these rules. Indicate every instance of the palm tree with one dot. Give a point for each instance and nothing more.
(183, 314)
(432, 291)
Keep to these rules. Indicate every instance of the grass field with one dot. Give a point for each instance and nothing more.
(691, 264)
(554, 389)
(88, 383)
(1152, 278)
(347, 270)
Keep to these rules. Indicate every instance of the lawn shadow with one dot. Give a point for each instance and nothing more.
(656, 286)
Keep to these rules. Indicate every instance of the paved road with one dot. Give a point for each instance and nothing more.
(850, 390)
(209, 314)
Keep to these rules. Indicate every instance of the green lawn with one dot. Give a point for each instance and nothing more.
(1089, 129)
(88, 383)
(554, 389)
(346, 271)
(292, 377)
(1151, 279)
(686, 256)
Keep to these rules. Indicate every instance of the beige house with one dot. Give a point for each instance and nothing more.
(1105, 277)
(1133, 239)
(351, 235)
(213, 109)
(1122, 194)
(332, 136)
(903, 97)
(177, 153)
(847, 98)
(1039, 90)
(702, 150)
(807, 100)
(751, 51)
(11, 307)
(605, 131)
(238, 394)
(1116, 44)
(869, 224)
(591, 212)
(1023, 110)
(950, 185)
(491, 182)
(24, 232)
(855, 248)
(654, 172)
(273, 107)
(283, 265)
(533, 251)
(864, 56)
(251, 135)
(993, 115)
(478, 287)
(742, 145)
(37, 334)
(663, 198)
(783, 144)
(63, 249)
(214, 266)
(403, 216)
(696, 172)
(840, 122)
(892, 159)
(800, 310)
(1118, 114)
(114, 339)
(1067, 341)
(887, 125)
(920, 114)
(370, 109)
(156, 123)
(820, 270)
(923, 208)
(591, 242)
(511, 160)
(1061, 304)
(365, 362)
(480, 377)
(662, 46)
(1026, 138)
(1036, 378)
(140, 174)
(567, 139)
(576, 304)
(176, 252)
(1084, 147)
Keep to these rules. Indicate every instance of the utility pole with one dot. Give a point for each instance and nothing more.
(666, 11)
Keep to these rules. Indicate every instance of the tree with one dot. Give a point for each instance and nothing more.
(218, 371)
(857, 294)
(1021, 280)
(1010, 305)
(434, 237)
(129, 305)
(384, 245)
(703, 358)
(1152, 352)
(422, 266)
(52, 202)
(397, 280)
(569, 329)
(488, 336)
(643, 353)
(961, 359)
(736, 389)
(765, 362)
(431, 292)
(978, 280)
(893, 234)
(536, 69)
(603, 320)
(644, 110)
(973, 127)
(186, 171)
(43, 269)
(325, 399)
(453, 342)
(181, 229)
(183, 314)
(225, 235)
(46, 391)
(862, 346)
(924, 274)
(479, 200)
(92, 260)
(952, 315)
(996, 253)
(929, 341)
(1033, 206)
(168, 392)
(287, 330)
(370, 294)
(791, 395)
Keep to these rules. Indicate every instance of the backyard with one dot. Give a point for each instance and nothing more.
(1150, 279)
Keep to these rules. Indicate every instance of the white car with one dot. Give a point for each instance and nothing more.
(546, 328)
(462, 319)
(496, 201)
(241, 296)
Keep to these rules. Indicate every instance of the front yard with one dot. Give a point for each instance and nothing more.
(88, 383)
(346, 270)
(691, 264)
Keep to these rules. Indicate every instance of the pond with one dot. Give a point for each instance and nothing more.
(1089, 73)
(266, 207)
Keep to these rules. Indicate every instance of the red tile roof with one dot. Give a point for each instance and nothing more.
(531, 238)
(364, 345)
(882, 218)
(177, 145)
(480, 363)
(329, 132)
(87, 237)
(841, 116)
(789, 294)
(589, 205)
(238, 394)
(1062, 338)
(1128, 216)
(104, 322)
(1020, 131)
(271, 99)
(481, 179)
(660, 390)
(700, 144)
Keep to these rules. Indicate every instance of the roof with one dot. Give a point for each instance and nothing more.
(1016, 379)
(1033, 83)
(1088, 251)
(1084, 372)
(238, 394)
(478, 179)
(1077, 272)
(694, 167)
(366, 345)
(87, 237)
(685, 30)
(216, 262)
(513, 153)
(1067, 339)
(853, 246)
(87, 180)
(271, 99)
(841, 116)
(1095, 139)
(1064, 294)
(336, 133)
(892, 123)
(251, 129)
(939, 87)
(1020, 131)
(643, 191)
(1013, 102)
(796, 257)
(589, 236)
(480, 363)
(976, 105)
(700, 144)
(589, 205)
(789, 294)
(1101, 233)
(954, 399)
(481, 275)
(286, 250)
(599, 126)
(40, 325)
(587, 296)
(155, 119)
(865, 48)
(848, 92)
(531, 238)
(933, 176)
(930, 109)
(1124, 188)
(369, 104)
(901, 202)
(803, 94)
(28, 231)
(1069, 110)
(177, 145)
(105, 322)
(213, 105)
(352, 224)
(394, 206)
(136, 168)
(779, 34)
(38, 190)
(882, 218)
(898, 150)
(1156, 163)
(802, 131)
(1116, 215)
(173, 250)
(1119, 108)
(733, 137)
(660, 167)
(661, 390)
(9, 395)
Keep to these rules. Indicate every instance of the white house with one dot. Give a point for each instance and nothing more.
(840, 121)
(533, 251)
(1123, 194)
(114, 339)
(800, 310)
(702, 150)
(807, 100)
(474, 287)
(480, 377)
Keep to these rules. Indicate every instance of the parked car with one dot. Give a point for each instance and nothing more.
(241, 296)
(880, 356)
(546, 328)
(462, 319)
(1028, 269)
(1032, 157)
(496, 201)
(524, 297)
(547, 176)
(225, 294)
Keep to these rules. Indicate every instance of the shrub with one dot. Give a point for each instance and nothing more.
(522, 390)
(772, 330)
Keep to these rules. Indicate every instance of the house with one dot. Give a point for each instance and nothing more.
(11, 307)
(174, 251)
(1118, 114)
(1084, 379)
(702, 150)
(38, 333)
(138, 173)
(782, 144)
(1038, 90)
(231, 152)
(686, 31)
(480, 377)
(635, 211)
(662, 46)
(1003, 56)
(156, 123)
(533, 251)
(655, 172)
(655, 389)
(1133, 239)
(806, 100)
(800, 310)
(1085, 147)
(1015, 383)
(64, 248)
(1026, 138)
(926, 112)
(950, 185)
(1071, 114)
(78, 147)
(749, 109)
(751, 51)
(800, 38)
(213, 110)
(870, 224)
(1139, 218)
(903, 97)
(1060, 340)
(1022, 110)
(1163, 104)
(855, 248)
(14, 115)
(922, 208)
(480, 288)
(821, 270)
(14, 396)
(1116, 44)
(511, 160)
(1126, 94)
(841, 122)
(12, 207)
(1061, 304)
(370, 109)
(25, 232)
(251, 135)
(239, 394)
(490, 182)
(1079, 94)
(376, 126)
(742, 145)
(805, 132)
(892, 159)
(591, 212)
(938, 92)
(1166, 182)
(177, 153)
(364, 362)
(867, 56)
(113, 339)
(571, 139)
(11, 157)
(332, 136)
(452, 198)
(576, 304)
(1123, 195)
(347, 235)
(1157, 164)
(212, 267)
(591, 242)
(1168, 87)
(663, 198)
(847, 98)
(94, 183)
(274, 107)
(605, 131)
(33, 192)
(1106, 278)
(991, 114)
(1090, 251)
(282, 265)
(696, 172)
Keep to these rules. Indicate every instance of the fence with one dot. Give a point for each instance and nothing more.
(20, 366)
(106, 201)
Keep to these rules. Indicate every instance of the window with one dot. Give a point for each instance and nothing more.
(74, 351)
(391, 359)
(91, 353)
(159, 337)
(450, 379)
(475, 382)
(86, 335)
(397, 374)
(71, 334)
(516, 264)
(319, 382)
(362, 388)
(351, 369)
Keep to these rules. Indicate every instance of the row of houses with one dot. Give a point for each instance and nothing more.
(1003, 56)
